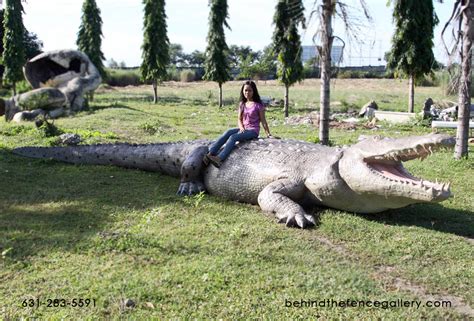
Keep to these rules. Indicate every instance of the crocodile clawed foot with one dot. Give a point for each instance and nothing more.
(191, 188)
(297, 220)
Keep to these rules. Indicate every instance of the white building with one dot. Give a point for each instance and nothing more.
(310, 52)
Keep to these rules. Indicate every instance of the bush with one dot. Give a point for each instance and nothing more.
(23, 86)
(428, 81)
(349, 74)
(123, 77)
(358, 74)
(187, 75)
(311, 72)
(389, 74)
(344, 75)
(449, 83)
(173, 74)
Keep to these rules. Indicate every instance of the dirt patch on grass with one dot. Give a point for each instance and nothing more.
(391, 280)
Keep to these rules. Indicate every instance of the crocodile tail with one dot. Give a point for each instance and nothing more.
(166, 158)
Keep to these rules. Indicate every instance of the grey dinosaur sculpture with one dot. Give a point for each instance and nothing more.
(59, 79)
(282, 176)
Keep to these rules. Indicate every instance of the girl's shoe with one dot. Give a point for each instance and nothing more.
(215, 160)
(206, 160)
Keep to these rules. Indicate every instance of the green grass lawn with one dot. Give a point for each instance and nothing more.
(110, 234)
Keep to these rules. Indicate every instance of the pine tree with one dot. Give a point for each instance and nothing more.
(287, 43)
(1, 45)
(412, 55)
(156, 45)
(216, 65)
(13, 42)
(33, 46)
(89, 37)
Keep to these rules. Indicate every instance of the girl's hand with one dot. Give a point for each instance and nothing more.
(241, 129)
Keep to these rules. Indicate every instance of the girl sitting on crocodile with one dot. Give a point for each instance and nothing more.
(251, 114)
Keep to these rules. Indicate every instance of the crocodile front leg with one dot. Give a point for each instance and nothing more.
(278, 197)
(191, 172)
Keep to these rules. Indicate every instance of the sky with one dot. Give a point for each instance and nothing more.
(56, 23)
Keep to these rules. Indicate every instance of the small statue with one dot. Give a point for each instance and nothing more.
(428, 110)
(60, 79)
(368, 110)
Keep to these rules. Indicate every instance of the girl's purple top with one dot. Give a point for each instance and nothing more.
(251, 116)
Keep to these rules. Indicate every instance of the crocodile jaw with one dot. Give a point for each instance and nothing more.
(373, 169)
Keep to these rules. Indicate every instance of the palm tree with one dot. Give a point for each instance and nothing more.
(326, 10)
(462, 15)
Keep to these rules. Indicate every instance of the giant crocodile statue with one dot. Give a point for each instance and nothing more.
(282, 176)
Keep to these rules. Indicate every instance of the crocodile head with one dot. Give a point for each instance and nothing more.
(374, 172)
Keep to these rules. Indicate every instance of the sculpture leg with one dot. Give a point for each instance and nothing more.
(47, 98)
(191, 173)
(37, 100)
(278, 197)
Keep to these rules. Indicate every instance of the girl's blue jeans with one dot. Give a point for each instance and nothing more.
(229, 138)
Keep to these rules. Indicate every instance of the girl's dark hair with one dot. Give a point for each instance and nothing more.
(256, 96)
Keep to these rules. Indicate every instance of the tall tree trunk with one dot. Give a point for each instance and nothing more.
(285, 108)
(464, 99)
(325, 54)
(220, 95)
(155, 93)
(411, 94)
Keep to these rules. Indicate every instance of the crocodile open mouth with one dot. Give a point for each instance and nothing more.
(390, 167)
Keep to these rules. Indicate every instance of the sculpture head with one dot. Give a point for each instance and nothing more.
(70, 71)
(373, 170)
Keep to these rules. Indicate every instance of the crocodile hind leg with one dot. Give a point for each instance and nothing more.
(191, 172)
(278, 197)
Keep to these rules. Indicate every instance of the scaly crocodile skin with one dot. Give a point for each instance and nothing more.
(282, 176)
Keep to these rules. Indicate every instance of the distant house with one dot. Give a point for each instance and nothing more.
(310, 52)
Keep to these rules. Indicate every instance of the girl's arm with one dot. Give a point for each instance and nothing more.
(240, 120)
(263, 120)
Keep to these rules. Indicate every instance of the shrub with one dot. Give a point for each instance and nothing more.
(23, 86)
(449, 83)
(311, 72)
(173, 74)
(123, 77)
(389, 74)
(349, 74)
(47, 129)
(187, 75)
(428, 81)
